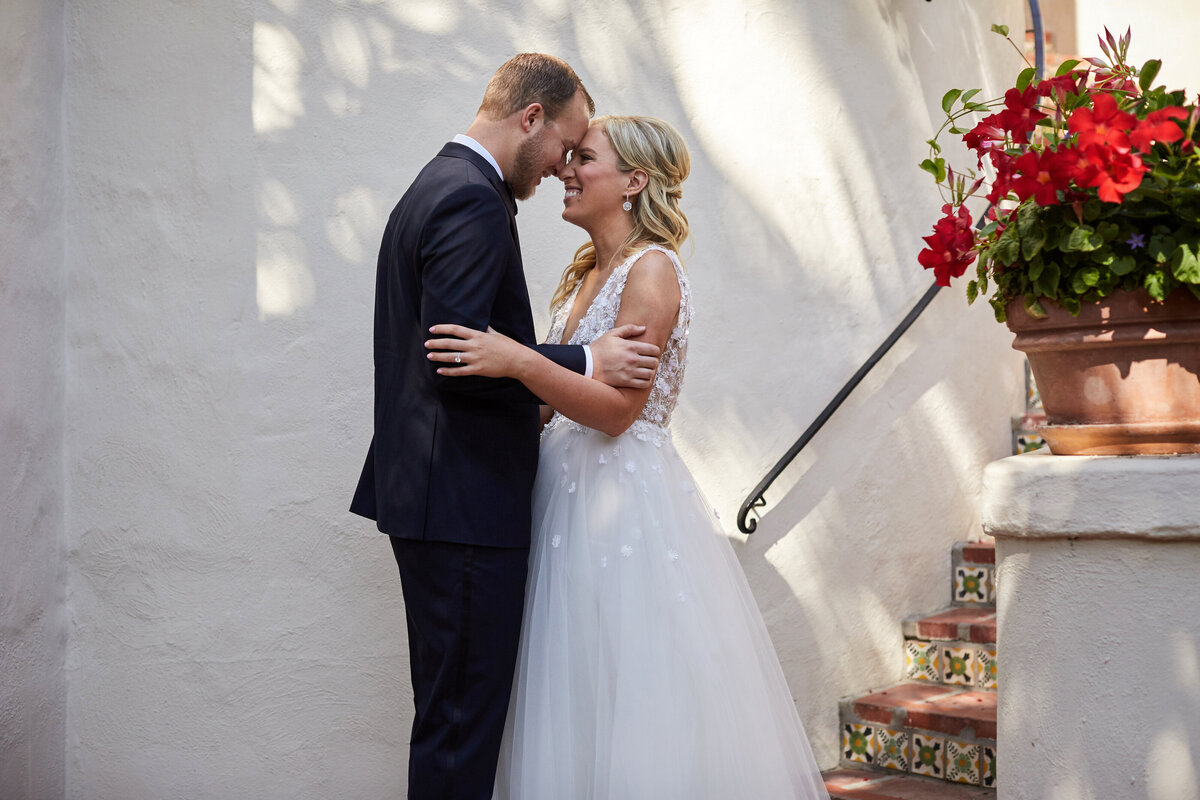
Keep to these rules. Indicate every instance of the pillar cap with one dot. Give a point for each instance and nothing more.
(1044, 496)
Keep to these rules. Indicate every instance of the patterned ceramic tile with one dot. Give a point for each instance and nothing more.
(962, 762)
(987, 767)
(958, 665)
(859, 743)
(1033, 398)
(928, 755)
(971, 584)
(985, 668)
(1027, 442)
(922, 661)
(895, 751)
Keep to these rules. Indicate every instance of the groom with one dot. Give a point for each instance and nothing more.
(449, 474)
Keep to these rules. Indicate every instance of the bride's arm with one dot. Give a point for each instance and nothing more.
(651, 296)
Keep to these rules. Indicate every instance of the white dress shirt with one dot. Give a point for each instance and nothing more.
(467, 141)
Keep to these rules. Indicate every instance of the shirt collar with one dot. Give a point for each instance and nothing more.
(467, 141)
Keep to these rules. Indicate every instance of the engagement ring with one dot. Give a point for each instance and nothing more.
(458, 358)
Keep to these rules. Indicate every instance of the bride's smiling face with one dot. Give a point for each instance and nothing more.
(594, 186)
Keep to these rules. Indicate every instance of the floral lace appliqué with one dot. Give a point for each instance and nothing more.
(601, 317)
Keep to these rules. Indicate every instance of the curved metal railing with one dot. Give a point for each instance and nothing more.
(757, 498)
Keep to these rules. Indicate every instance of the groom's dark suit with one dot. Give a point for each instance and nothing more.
(449, 474)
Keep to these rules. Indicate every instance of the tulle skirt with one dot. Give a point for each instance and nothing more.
(645, 671)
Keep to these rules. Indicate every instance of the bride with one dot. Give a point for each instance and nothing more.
(645, 670)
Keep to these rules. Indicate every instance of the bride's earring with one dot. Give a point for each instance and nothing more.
(628, 206)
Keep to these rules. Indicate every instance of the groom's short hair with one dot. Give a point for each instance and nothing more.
(532, 78)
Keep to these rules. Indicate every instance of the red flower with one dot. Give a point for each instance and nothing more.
(1041, 176)
(1117, 172)
(1061, 85)
(987, 135)
(1102, 124)
(1021, 113)
(1005, 166)
(1079, 167)
(1158, 127)
(949, 251)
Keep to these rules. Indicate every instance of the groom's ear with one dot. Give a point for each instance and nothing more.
(531, 116)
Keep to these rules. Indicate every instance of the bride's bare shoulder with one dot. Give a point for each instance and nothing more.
(653, 273)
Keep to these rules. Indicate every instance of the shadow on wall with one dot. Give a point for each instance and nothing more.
(805, 236)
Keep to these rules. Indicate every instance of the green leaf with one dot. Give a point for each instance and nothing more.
(1185, 264)
(935, 167)
(1148, 73)
(1033, 307)
(1000, 29)
(1089, 275)
(933, 145)
(948, 99)
(1154, 283)
(1025, 78)
(1071, 304)
(968, 95)
(1084, 240)
(1066, 66)
(1035, 269)
(1123, 265)
(1032, 245)
(1006, 250)
(1108, 231)
(999, 308)
(972, 292)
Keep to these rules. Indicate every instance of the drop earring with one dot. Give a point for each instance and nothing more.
(628, 206)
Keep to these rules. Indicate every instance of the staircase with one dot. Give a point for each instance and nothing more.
(933, 736)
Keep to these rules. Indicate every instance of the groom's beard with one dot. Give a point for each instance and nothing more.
(526, 171)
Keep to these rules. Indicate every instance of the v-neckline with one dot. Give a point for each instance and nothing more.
(588, 310)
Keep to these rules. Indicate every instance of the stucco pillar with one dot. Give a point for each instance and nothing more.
(1098, 575)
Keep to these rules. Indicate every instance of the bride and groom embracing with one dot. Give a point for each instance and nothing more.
(579, 628)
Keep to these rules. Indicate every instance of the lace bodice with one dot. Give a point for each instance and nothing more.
(601, 317)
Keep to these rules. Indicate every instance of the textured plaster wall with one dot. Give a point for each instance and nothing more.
(1155, 27)
(33, 625)
(235, 631)
(1098, 558)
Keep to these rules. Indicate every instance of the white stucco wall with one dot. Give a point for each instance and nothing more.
(235, 632)
(1159, 29)
(33, 625)
(1099, 625)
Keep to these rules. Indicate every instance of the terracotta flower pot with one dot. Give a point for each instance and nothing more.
(1122, 378)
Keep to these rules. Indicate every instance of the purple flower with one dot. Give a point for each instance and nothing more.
(1136, 241)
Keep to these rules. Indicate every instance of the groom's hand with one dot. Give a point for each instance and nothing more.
(621, 362)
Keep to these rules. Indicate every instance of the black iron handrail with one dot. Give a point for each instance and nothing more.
(757, 497)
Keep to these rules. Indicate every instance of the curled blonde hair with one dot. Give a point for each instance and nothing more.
(655, 147)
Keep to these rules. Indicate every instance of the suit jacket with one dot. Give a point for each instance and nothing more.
(452, 459)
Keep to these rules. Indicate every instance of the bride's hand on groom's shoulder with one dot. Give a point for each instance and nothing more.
(619, 360)
(471, 352)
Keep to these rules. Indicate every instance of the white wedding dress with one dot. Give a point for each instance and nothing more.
(645, 670)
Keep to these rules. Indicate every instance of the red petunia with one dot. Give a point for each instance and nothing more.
(949, 250)
(1117, 173)
(1102, 124)
(1004, 165)
(1020, 115)
(1061, 85)
(987, 135)
(1041, 176)
(1158, 127)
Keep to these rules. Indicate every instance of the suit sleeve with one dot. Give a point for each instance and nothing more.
(463, 267)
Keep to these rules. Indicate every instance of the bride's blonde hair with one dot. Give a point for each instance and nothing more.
(655, 147)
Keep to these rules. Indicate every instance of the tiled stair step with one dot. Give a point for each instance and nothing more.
(925, 729)
(963, 713)
(974, 623)
(857, 784)
(973, 572)
(1025, 434)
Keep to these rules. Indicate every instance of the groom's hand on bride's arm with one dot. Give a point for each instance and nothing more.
(620, 361)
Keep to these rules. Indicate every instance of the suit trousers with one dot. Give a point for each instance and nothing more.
(464, 605)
